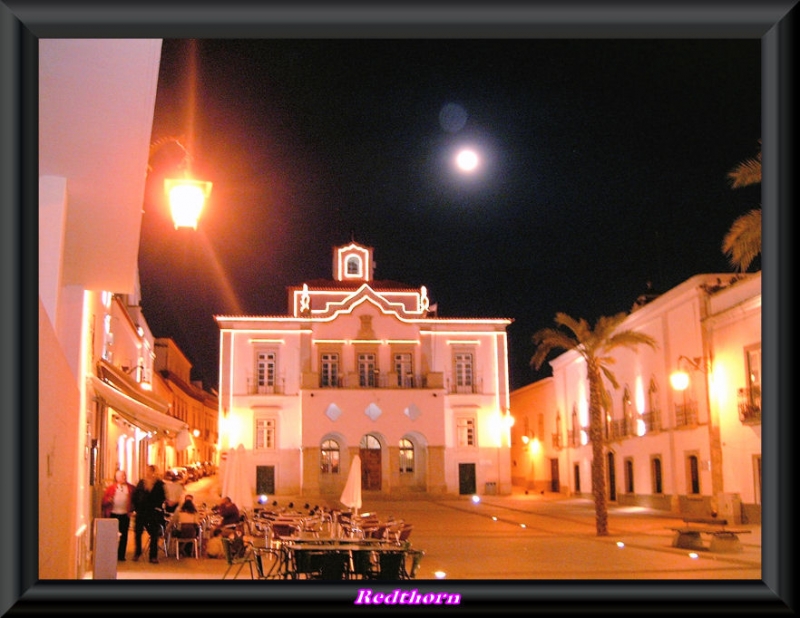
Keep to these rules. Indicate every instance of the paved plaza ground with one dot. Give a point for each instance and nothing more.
(516, 537)
(535, 554)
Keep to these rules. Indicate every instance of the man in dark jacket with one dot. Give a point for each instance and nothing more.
(148, 502)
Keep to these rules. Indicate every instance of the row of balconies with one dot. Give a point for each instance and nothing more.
(375, 380)
(686, 416)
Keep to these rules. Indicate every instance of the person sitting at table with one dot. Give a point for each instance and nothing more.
(188, 523)
(229, 513)
(214, 547)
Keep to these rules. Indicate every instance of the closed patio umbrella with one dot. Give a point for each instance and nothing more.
(351, 495)
(236, 480)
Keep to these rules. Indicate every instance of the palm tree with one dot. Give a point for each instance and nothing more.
(594, 346)
(742, 243)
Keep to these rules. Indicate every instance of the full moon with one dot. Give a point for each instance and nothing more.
(467, 160)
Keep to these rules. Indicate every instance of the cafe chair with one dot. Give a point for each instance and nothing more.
(187, 534)
(247, 558)
(268, 563)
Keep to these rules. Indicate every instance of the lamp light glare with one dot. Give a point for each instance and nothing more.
(476, 499)
(679, 380)
(186, 200)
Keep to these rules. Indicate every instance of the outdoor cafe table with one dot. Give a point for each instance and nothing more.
(291, 546)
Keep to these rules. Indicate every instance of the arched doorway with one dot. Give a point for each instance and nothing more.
(370, 452)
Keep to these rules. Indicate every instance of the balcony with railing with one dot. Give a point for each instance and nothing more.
(619, 429)
(254, 388)
(749, 404)
(558, 441)
(372, 380)
(686, 414)
(652, 421)
(575, 437)
(473, 387)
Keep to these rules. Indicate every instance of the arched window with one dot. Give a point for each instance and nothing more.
(406, 456)
(353, 265)
(329, 457)
(658, 486)
(627, 413)
(693, 474)
(369, 441)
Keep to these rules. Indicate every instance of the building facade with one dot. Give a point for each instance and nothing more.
(696, 450)
(191, 403)
(363, 366)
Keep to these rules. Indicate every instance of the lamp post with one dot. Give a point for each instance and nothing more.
(186, 195)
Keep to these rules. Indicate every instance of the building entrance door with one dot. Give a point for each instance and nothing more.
(555, 481)
(370, 469)
(466, 479)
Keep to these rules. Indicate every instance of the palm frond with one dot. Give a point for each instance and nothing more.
(629, 339)
(580, 327)
(747, 173)
(742, 243)
(547, 340)
(609, 376)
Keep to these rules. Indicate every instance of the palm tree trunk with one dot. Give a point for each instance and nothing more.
(598, 460)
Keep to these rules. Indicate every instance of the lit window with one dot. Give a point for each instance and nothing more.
(465, 430)
(329, 370)
(265, 372)
(329, 457)
(404, 370)
(367, 370)
(265, 434)
(406, 456)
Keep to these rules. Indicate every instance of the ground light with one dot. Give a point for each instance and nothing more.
(476, 499)
(439, 574)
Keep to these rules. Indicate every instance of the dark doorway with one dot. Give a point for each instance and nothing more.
(555, 481)
(265, 480)
(612, 478)
(466, 478)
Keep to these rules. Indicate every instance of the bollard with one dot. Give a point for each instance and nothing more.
(106, 538)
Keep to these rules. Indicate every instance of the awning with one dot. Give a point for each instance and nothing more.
(140, 414)
(123, 382)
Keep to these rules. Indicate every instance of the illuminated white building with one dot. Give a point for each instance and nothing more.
(696, 450)
(363, 366)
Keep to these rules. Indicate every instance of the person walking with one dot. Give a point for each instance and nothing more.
(148, 502)
(174, 492)
(118, 503)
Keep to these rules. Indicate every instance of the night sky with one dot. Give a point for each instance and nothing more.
(603, 167)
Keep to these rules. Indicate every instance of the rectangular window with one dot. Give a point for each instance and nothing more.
(404, 370)
(265, 372)
(265, 434)
(367, 370)
(463, 371)
(329, 370)
(465, 430)
(754, 376)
